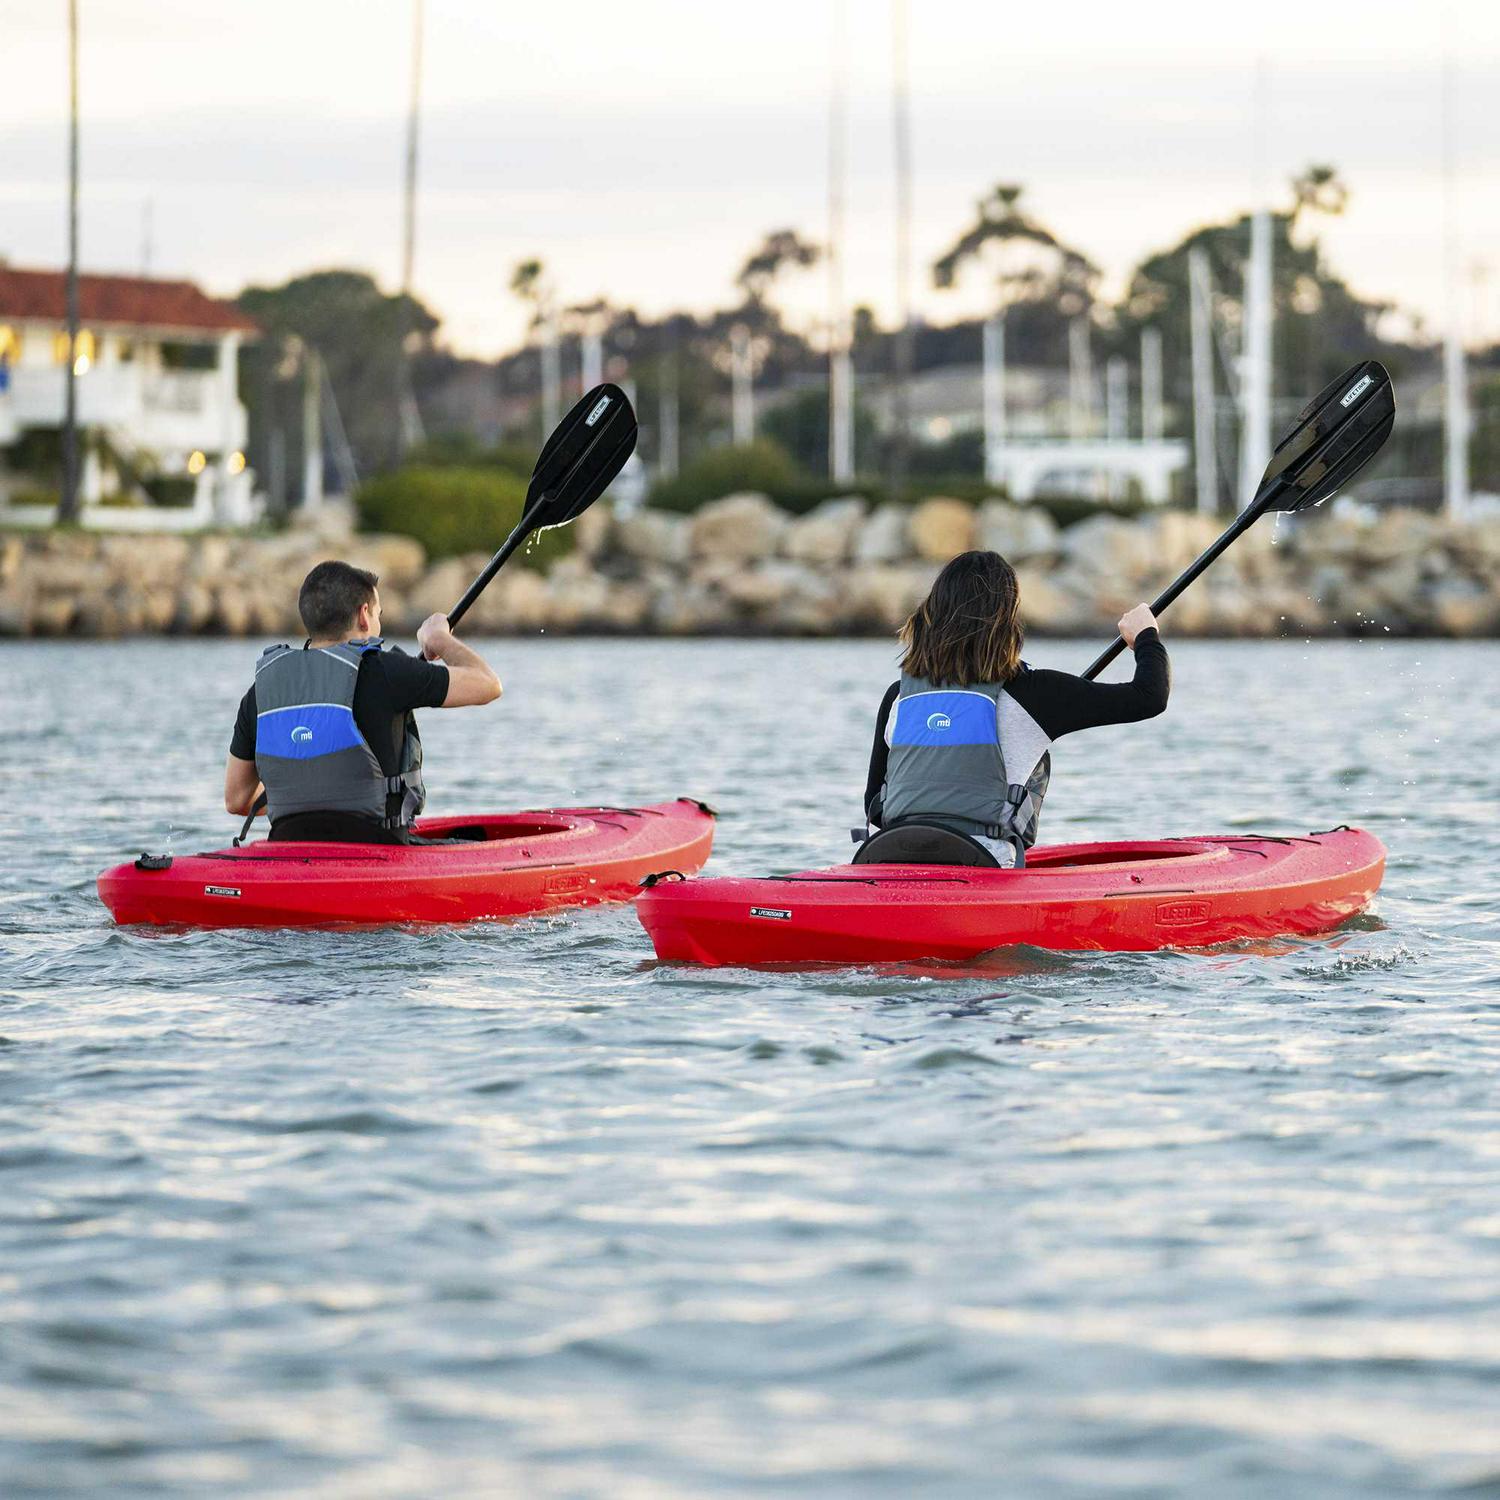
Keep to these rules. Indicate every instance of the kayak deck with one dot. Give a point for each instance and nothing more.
(1117, 897)
(498, 865)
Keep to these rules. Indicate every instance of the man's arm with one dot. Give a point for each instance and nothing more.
(241, 785)
(470, 680)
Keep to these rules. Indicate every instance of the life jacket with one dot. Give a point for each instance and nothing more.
(309, 751)
(970, 759)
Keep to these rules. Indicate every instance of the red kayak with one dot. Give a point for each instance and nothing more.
(499, 865)
(1119, 897)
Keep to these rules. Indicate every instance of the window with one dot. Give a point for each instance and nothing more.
(85, 352)
(182, 356)
(10, 344)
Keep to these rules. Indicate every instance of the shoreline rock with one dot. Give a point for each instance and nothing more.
(741, 566)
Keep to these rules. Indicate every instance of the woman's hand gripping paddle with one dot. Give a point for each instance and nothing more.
(576, 466)
(1335, 435)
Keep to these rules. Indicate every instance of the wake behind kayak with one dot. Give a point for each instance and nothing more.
(496, 865)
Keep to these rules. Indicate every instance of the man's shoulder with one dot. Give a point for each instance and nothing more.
(407, 677)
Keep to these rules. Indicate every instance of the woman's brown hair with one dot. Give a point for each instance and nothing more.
(968, 628)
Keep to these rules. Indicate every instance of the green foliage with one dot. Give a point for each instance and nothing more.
(1484, 450)
(357, 332)
(800, 425)
(454, 510)
(762, 465)
(29, 497)
(175, 490)
(462, 450)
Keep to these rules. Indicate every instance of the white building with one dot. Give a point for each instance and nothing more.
(162, 429)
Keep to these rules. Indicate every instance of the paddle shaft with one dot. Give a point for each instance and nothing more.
(1241, 524)
(498, 561)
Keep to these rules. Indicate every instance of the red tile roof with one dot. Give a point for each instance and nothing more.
(132, 300)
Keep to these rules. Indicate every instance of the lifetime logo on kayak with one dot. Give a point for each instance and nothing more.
(1357, 389)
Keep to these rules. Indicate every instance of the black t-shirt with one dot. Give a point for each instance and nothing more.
(390, 683)
(1060, 702)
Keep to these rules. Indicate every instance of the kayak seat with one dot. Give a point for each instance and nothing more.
(923, 844)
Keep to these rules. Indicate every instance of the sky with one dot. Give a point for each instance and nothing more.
(641, 152)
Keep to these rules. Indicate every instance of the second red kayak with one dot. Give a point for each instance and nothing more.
(1120, 897)
(497, 865)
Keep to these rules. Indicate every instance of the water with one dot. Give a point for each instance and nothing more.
(516, 1211)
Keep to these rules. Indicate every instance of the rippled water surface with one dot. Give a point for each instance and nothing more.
(514, 1210)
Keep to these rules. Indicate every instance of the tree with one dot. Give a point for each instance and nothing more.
(781, 249)
(1321, 326)
(529, 282)
(357, 331)
(1042, 283)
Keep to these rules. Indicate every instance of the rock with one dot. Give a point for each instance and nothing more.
(398, 560)
(1016, 532)
(826, 534)
(12, 548)
(60, 573)
(1047, 608)
(686, 609)
(577, 596)
(445, 583)
(517, 601)
(626, 607)
(785, 596)
(1477, 545)
(52, 615)
(882, 538)
(1110, 548)
(652, 536)
(233, 613)
(593, 531)
(757, 589)
(1395, 534)
(1099, 597)
(1397, 585)
(739, 526)
(1168, 540)
(879, 596)
(193, 609)
(940, 529)
(161, 559)
(15, 606)
(1459, 606)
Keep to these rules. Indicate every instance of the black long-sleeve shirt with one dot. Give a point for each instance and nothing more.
(1059, 702)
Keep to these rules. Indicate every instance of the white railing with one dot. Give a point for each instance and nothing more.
(185, 391)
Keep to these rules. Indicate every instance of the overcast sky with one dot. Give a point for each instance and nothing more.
(642, 150)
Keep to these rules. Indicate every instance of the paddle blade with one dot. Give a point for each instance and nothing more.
(1335, 435)
(580, 459)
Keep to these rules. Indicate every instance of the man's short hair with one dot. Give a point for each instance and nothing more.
(331, 596)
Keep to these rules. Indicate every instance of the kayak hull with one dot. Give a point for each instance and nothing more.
(507, 865)
(1115, 897)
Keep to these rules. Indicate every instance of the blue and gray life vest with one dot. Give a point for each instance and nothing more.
(309, 751)
(970, 759)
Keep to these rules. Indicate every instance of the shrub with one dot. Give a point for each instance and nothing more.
(453, 510)
(762, 465)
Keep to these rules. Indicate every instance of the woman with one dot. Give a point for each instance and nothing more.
(963, 740)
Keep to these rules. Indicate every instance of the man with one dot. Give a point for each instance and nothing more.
(327, 732)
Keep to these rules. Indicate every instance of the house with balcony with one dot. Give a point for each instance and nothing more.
(162, 430)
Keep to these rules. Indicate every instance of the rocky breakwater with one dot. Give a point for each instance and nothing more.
(741, 565)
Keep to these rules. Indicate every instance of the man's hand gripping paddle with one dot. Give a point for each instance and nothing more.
(580, 459)
(1335, 435)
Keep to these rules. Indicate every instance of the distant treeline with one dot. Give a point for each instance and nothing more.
(378, 351)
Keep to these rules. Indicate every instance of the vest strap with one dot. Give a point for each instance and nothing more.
(255, 809)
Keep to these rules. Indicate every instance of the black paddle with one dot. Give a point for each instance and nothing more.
(1335, 435)
(588, 449)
